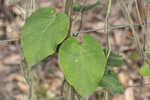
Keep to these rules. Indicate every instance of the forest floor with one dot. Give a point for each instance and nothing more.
(47, 75)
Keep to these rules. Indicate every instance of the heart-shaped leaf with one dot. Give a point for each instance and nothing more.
(41, 34)
(83, 63)
(144, 70)
(111, 83)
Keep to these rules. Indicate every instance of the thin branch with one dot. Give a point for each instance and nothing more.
(144, 84)
(62, 89)
(9, 40)
(68, 11)
(109, 28)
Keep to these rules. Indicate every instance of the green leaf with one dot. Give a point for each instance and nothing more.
(83, 64)
(76, 7)
(89, 7)
(115, 60)
(80, 8)
(41, 34)
(111, 83)
(144, 70)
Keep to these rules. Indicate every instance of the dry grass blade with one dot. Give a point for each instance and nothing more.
(140, 11)
(30, 6)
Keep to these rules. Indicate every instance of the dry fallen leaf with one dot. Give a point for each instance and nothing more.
(22, 86)
(124, 78)
(3, 44)
(17, 77)
(12, 59)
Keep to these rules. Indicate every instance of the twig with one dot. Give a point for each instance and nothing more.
(28, 78)
(81, 21)
(69, 92)
(144, 84)
(62, 89)
(82, 16)
(68, 11)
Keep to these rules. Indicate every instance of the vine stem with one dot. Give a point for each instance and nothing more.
(69, 90)
(27, 73)
(30, 7)
(82, 16)
(68, 11)
(108, 46)
(28, 78)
